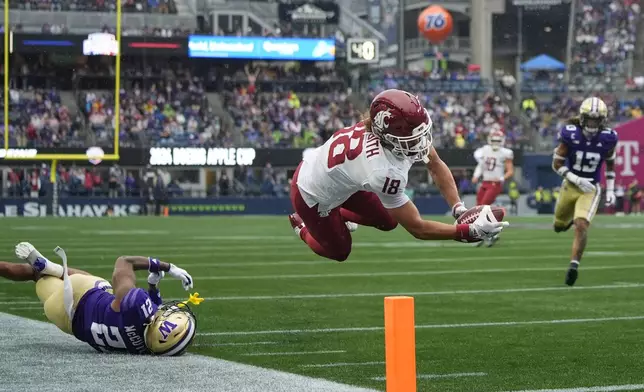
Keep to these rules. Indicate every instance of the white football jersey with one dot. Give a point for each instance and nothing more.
(493, 161)
(352, 160)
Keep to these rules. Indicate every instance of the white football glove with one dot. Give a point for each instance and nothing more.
(610, 197)
(182, 275)
(486, 225)
(154, 278)
(458, 209)
(584, 184)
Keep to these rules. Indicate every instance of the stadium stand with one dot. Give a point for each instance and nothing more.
(605, 36)
(149, 6)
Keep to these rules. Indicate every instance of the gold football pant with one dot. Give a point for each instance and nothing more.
(573, 203)
(50, 292)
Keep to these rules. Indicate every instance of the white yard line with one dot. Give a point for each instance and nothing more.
(426, 326)
(425, 293)
(340, 364)
(215, 264)
(411, 273)
(608, 388)
(385, 294)
(234, 344)
(294, 353)
(436, 376)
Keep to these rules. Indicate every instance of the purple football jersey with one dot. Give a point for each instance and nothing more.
(586, 155)
(96, 323)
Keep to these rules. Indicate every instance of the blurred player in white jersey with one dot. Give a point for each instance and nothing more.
(495, 165)
(359, 176)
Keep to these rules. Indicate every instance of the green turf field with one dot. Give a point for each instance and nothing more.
(497, 319)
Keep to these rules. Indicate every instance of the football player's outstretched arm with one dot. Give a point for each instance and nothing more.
(409, 218)
(443, 178)
(123, 277)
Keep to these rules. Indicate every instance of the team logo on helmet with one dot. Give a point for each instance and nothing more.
(379, 120)
(172, 329)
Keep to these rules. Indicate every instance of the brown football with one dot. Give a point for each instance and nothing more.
(469, 216)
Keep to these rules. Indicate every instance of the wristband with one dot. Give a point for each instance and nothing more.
(155, 296)
(455, 206)
(155, 265)
(462, 233)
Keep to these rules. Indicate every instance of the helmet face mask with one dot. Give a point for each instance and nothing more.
(171, 329)
(496, 140)
(416, 146)
(592, 115)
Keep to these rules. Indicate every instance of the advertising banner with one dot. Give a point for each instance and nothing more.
(122, 207)
(318, 12)
(261, 48)
(212, 157)
(98, 44)
(630, 149)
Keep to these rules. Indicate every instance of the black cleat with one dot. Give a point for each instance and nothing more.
(572, 274)
(565, 228)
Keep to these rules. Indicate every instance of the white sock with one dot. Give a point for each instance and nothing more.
(44, 265)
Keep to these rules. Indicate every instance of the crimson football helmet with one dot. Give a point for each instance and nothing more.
(402, 124)
(496, 139)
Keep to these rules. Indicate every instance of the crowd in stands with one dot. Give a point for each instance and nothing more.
(39, 119)
(165, 113)
(605, 36)
(148, 6)
(102, 181)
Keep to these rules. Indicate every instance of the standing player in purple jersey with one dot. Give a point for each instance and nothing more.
(110, 317)
(584, 144)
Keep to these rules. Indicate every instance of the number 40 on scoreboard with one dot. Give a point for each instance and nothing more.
(363, 51)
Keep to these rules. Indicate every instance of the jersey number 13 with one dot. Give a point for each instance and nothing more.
(586, 161)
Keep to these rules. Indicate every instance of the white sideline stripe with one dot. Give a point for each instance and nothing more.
(454, 259)
(608, 388)
(293, 353)
(233, 344)
(63, 353)
(410, 273)
(426, 326)
(427, 293)
(340, 364)
(28, 308)
(417, 294)
(435, 376)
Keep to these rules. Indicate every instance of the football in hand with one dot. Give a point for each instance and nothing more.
(469, 216)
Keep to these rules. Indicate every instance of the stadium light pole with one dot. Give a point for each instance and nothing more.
(519, 58)
(569, 41)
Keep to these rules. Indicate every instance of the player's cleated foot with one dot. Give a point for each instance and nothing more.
(479, 244)
(352, 226)
(296, 223)
(572, 274)
(27, 252)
